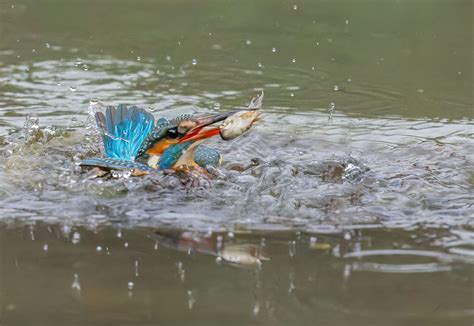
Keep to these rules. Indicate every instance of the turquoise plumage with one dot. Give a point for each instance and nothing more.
(207, 157)
(163, 126)
(113, 163)
(130, 136)
(123, 130)
(172, 154)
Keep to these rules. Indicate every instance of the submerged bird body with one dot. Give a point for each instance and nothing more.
(133, 141)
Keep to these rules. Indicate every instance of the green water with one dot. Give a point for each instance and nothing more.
(362, 200)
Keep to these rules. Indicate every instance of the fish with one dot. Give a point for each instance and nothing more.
(241, 121)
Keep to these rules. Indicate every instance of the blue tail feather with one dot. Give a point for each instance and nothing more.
(115, 164)
(123, 130)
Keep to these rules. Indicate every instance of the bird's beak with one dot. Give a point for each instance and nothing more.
(196, 132)
(211, 119)
(199, 134)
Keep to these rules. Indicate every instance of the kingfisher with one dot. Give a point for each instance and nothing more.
(133, 141)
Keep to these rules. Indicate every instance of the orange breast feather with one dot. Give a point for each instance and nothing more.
(159, 147)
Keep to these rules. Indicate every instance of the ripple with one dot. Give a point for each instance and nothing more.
(444, 263)
(401, 268)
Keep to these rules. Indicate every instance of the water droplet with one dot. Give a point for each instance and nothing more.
(274, 50)
(347, 21)
(33, 50)
(295, 7)
(256, 308)
(291, 287)
(248, 42)
(292, 94)
(76, 285)
(181, 272)
(72, 88)
(332, 106)
(313, 68)
(293, 60)
(136, 268)
(194, 62)
(292, 248)
(336, 88)
(139, 58)
(48, 45)
(119, 233)
(349, 79)
(260, 65)
(76, 238)
(191, 300)
(130, 285)
(168, 58)
(125, 244)
(231, 235)
(155, 246)
(157, 72)
(347, 271)
(45, 247)
(347, 236)
(217, 105)
(317, 43)
(98, 249)
(32, 233)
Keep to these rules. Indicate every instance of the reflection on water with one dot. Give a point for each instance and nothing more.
(143, 275)
(349, 203)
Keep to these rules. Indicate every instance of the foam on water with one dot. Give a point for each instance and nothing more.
(369, 174)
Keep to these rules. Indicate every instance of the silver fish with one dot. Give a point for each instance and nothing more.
(241, 121)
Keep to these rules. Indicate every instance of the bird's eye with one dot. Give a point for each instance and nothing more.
(172, 133)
